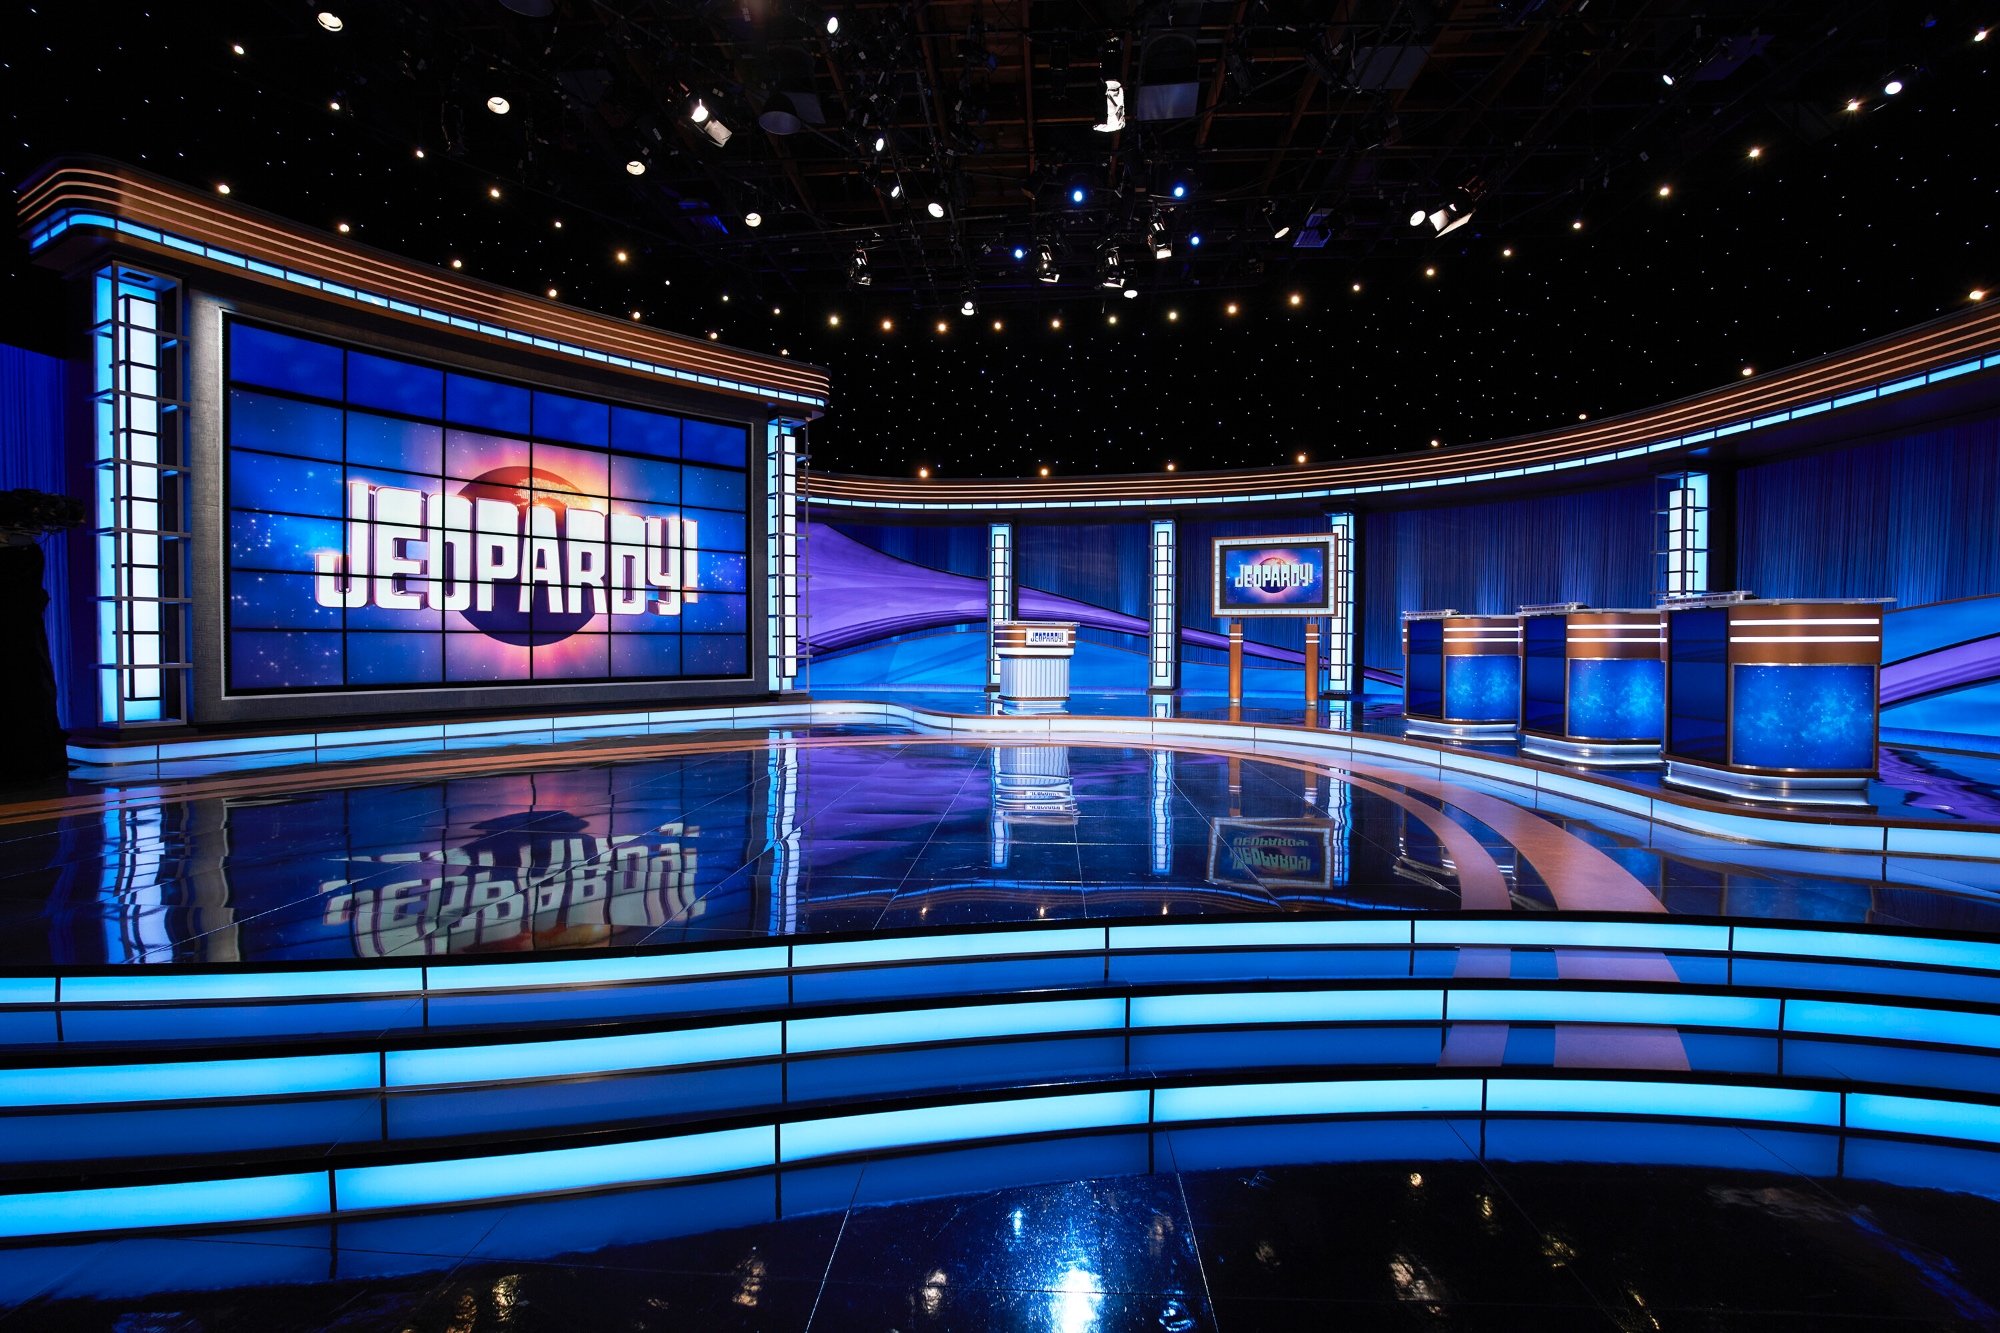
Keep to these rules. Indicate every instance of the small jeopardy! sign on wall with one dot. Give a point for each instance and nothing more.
(1274, 576)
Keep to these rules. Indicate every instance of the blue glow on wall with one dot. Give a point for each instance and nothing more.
(1617, 699)
(1805, 717)
(1482, 689)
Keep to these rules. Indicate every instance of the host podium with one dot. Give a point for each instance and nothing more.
(1593, 685)
(1461, 675)
(1773, 698)
(1034, 658)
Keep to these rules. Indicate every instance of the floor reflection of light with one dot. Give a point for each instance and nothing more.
(1017, 1219)
(930, 1296)
(1074, 1303)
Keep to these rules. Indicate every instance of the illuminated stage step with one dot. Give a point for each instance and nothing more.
(1163, 1024)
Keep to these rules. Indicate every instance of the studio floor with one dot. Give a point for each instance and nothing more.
(661, 841)
(714, 839)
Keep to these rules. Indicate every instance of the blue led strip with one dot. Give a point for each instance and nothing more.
(68, 218)
(396, 1186)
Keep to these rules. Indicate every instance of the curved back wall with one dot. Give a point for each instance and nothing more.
(1592, 546)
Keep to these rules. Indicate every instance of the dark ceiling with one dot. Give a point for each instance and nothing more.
(1334, 122)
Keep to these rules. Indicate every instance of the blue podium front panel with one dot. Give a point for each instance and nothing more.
(1485, 688)
(1617, 699)
(1803, 717)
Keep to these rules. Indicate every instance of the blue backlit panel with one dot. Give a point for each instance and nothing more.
(1544, 648)
(1482, 689)
(1617, 699)
(1698, 684)
(1423, 675)
(391, 525)
(1805, 717)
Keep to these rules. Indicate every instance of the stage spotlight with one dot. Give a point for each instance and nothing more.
(1297, 299)
(1045, 264)
(1893, 86)
(924, 472)
(833, 321)
(1756, 152)
(1078, 194)
(1111, 318)
(698, 113)
(492, 192)
(1979, 36)
(1170, 467)
(1131, 293)
(881, 142)
(1056, 323)
(997, 326)
(934, 208)
(1357, 287)
(1417, 218)
(1666, 190)
(1180, 190)
(1230, 309)
(1020, 252)
(1173, 316)
(753, 219)
(832, 24)
(499, 106)
(329, 20)
(718, 133)
(857, 270)
(1434, 444)
(222, 187)
(1194, 238)
(1666, 77)
(896, 190)
(1045, 472)
(237, 47)
(1114, 276)
(1748, 371)
(1298, 458)
(1430, 272)
(1506, 252)
(1853, 104)
(634, 167)
(1162, 244)
(943, 327)
(1576, 225)
(888, 325)
(1283, 231)
(968, 306)
(1976, 294)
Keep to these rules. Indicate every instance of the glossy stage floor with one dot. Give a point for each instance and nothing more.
(863, 1017)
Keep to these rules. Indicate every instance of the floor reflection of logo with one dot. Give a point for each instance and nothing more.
(524, 488)
(532, 880)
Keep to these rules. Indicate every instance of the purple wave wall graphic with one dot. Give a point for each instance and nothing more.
(1950, 668)
(860, 595)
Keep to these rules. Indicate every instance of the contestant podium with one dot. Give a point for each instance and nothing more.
(1034, 664)
(1461, 675)
(1773, 698)
(1593, 684)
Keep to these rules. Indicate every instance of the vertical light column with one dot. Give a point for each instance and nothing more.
(999, 592)
(1681, 554)
(781, 540)
(1341, 672)
(1163, 619)
(141, 527)
(1163, 811)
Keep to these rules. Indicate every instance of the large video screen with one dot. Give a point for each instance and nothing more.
(1273, 576)
(393, 524)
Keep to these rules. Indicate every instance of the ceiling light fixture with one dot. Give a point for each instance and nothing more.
(698, 112)
(753, 219)
(1114, 108)
(717, 132)
(1131, 293)
(237, 47)
(968, 306)
(222, 187)
(635, 167)
(934, 208)
(499, 106)
(329, 20)
(832, 24)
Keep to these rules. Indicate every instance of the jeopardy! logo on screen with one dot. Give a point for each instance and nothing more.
(1273, 576)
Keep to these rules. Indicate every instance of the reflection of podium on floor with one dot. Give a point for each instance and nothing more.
(1034, 658)
(1031, 785)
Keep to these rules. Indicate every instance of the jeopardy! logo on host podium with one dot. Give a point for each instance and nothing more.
(1273, 576)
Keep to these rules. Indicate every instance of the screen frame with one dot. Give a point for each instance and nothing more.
(1327, 543)
(209, 310)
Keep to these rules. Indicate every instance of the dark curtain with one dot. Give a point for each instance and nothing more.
(1917, 519)
(1594, 547)
(31, 444)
